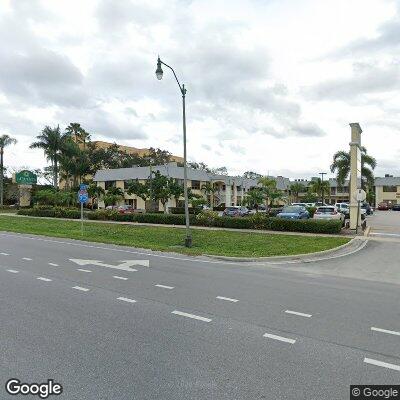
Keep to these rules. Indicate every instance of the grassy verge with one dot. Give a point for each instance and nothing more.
(221, 242)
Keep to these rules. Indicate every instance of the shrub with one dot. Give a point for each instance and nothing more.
(55, 212)
(311, 211)
(206, 218)
(181, 210)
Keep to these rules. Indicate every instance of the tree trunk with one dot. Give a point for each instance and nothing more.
(55, 172)
(1, 178)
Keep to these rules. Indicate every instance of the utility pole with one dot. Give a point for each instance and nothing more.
(322, 188)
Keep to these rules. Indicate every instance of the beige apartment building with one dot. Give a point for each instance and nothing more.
(229, 190)
(387, 189)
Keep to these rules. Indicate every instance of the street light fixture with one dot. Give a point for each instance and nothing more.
(159, 74)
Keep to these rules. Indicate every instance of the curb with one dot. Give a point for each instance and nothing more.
(297, 257)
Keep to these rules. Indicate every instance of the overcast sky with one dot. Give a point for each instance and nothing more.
(272, 85)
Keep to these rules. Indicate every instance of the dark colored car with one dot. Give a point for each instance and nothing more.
(368, 209)
(294, 212)
(396, 207)
(383, 206)
(236, 211)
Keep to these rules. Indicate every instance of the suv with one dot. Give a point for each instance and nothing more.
(343, 208)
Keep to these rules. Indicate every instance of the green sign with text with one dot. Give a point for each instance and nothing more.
(25, 178)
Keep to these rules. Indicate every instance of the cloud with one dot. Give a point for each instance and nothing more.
(365, 79)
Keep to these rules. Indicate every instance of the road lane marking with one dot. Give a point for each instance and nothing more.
(4, 254)
(13, 271)
(298, 313)
(183, 314)
(126, 299)
(227, 299)
(120, 277)
(54, 264)
(83, 270)
(385, 331)
(81, 288)
(382, 364)
(280, 338)
(27, 259)
(164, 287)
(40, 278)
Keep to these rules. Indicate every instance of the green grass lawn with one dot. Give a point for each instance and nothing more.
(225, 243)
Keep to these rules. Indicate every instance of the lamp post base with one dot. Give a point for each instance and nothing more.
(188, 241)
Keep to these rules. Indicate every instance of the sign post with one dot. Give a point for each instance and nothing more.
(83, 197)
(359, 197)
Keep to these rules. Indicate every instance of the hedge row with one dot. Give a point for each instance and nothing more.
(256, 221)
(56, 212)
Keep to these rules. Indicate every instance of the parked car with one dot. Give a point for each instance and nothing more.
(328, 212)
(396, 207)
(294, 212)
(300, 204)
(125, 209)
(368, 209)
(236, 211)
(383, 206)
(343, 208)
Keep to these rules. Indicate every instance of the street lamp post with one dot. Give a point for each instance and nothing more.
(159, 74)
(322, 186)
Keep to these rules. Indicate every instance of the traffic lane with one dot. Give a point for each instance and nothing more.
(98, 347)
(343, 317)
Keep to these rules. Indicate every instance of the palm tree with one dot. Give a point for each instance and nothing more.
(78, 133)
(254, 197)
(5, 141)
(320, 187)
(296, 188)
(209, 189)
(341, 164)
(51, 140)
(95, 192)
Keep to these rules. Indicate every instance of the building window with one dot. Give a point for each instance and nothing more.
(196, 185)
(333, 190)
(390, 189)
(109, 184)
(223, 188)
(238, 188)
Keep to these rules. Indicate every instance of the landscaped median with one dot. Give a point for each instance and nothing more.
(210, 219)
(205, 241)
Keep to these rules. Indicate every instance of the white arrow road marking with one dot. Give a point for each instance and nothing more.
(124, 266)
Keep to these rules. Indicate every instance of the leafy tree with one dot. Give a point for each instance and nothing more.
(296, 188)
(158, 156)
(251, 175)
(310, 197)
(5, 141)
(254, 197)
(175, 188)
(51, 141)
(209, 189)
(160, 190)
(95, 192)
(320, 187)
(141, 190)
(341, 165)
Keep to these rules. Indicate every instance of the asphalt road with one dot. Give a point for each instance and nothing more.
(139, 325)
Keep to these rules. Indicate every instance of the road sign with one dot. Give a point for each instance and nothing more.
(25, 177)
(83, 187)
(83, 197)
(360, 195)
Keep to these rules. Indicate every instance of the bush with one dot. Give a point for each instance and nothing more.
(311, 211)
(181, 210)
(206, 218)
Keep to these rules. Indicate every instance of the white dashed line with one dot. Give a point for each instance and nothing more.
(183, 314)
(227, 299)
(385, 331)
(83, 270)
(165, 287)
(280, 338)
(120, 277)
(298, 313)
(27, 259)
(13, 271)
(4, 254)
(81, 288)
(382, 364)
(40, 278)
(54, 264)
(126, 299)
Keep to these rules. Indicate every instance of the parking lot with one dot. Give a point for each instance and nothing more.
(385, 224)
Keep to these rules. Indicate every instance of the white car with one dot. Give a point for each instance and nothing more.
(328, 213)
